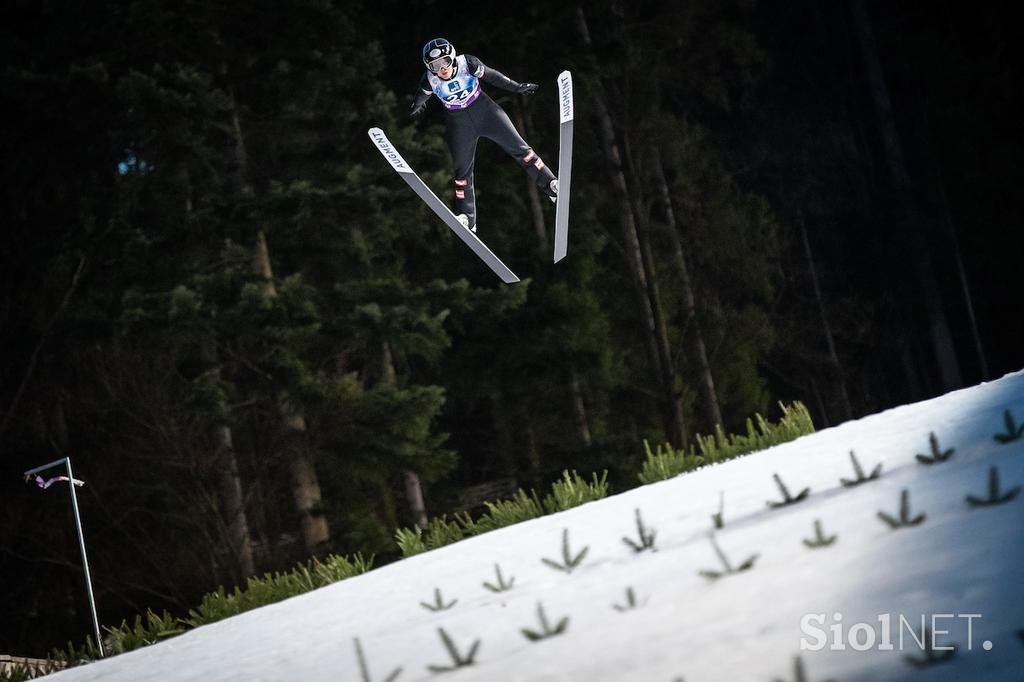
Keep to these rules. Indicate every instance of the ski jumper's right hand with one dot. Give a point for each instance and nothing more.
(527, 88)
(417, 109)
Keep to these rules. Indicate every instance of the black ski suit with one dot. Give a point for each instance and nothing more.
(469, 115)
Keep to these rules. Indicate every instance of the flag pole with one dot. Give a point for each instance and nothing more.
(81, 541)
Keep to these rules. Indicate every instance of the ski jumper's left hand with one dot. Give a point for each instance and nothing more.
(527, 88)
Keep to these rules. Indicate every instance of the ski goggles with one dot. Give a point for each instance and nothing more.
(442, 62)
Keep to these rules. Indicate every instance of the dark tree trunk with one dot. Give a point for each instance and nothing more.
(305, 484)
(229, 479)
(532, 193)
(304, 481)
(579, 409)
(532, 453)
(691, 326)
(411, 480)
(908, 214)
(965, 287)
(833, 357)
(640, 264)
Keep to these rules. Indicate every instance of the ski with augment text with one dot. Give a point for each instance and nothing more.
(443, 212)
(565, 116)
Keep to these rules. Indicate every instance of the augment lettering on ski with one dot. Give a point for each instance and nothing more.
(565, 121)
(389, 152)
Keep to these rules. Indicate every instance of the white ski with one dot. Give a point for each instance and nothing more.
(443, 212)
(565, 116)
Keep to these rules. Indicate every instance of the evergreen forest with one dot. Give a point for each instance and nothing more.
(258, 346)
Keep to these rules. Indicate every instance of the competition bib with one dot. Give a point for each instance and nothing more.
(460, 90)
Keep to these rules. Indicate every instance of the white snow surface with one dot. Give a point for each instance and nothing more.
(744, 626)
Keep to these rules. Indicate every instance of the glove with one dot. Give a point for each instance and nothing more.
(526, 88)
(417, 109)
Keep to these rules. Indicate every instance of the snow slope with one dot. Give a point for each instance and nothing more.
(745, 626)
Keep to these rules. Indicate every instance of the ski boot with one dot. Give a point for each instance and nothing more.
(553, 189)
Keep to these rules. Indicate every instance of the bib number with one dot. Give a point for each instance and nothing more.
(457, 97)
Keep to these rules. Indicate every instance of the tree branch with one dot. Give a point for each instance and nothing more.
(23, 386)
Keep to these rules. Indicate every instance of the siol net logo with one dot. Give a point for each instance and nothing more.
(891, 632)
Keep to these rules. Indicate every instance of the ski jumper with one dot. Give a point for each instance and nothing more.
(469, 115)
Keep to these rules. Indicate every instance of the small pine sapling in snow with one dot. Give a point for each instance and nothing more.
(994, 496)
(646, 536)
(364, 669)
(787, 498)
(719, 519)
(799, 673)
(572, 491)
(931, 655)
(819, 539)
(938, 454)
(438, 604)
(729, 570)
(861, 478)
(569, 562)
(904, 519)
(501, 585)
(631, 602)
(458, 660)
(1013, 432)
(410, 541)
(545, 627)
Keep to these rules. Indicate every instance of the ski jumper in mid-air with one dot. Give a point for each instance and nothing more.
(469, 115)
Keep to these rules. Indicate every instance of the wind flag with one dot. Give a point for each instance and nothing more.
(44, 484)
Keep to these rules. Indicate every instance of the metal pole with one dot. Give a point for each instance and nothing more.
(85, 560)
(44, 467)
(81, 542)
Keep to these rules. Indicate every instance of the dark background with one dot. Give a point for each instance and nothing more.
(152, 147)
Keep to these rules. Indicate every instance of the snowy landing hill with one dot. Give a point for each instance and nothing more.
(959, 568)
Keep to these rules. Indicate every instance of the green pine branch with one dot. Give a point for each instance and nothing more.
(904, 520)
(727, 566)
(410, 541)
(938, 455)
(799, 672)
(930, 656)
(572, 490)
(1013, 432)
(458, 660)
(545, 627)
(438, 604)
(666, 462)
(861, 478)
(994, 496)
(646, 537)
(569, 561)
(819, 539)
(501, 585)
(631, 602)
(364, 669)
(718, 520)
(788, 499)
